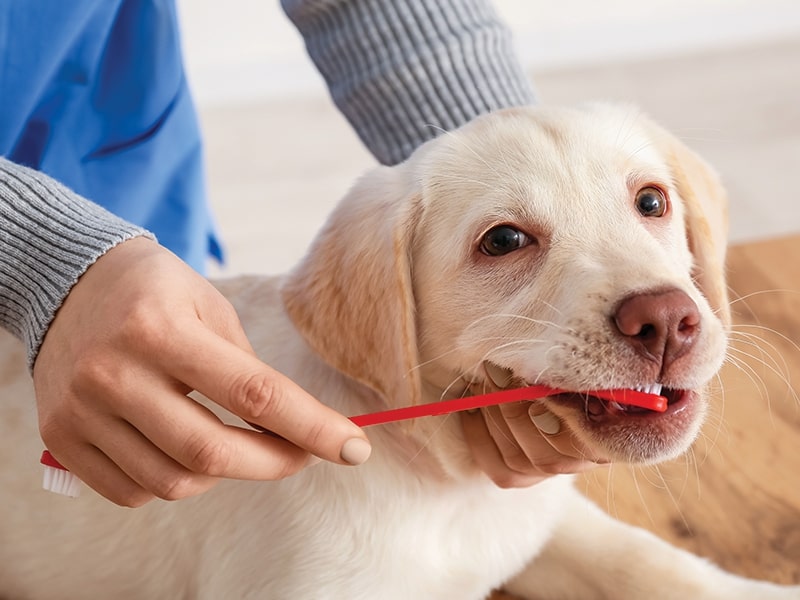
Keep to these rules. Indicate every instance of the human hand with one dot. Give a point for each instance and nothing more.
(519, 444)
(138, 332)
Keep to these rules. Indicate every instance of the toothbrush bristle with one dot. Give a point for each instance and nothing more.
(61, 482)
(57, 478)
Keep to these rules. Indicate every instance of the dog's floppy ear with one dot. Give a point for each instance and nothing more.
(351, 296)
(706, 213)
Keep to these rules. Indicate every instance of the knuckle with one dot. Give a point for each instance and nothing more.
(62, 422)
(556, 467)
(176, 487)
(506, 480)
(178, 483)
(93, 372)
(255, 396)
(517, 460)
(50, 430)
(97, 380)
(285, 467)
(518, 480)
(135, 500)
(516, 412)
(130, 496)
(144, 326)
(316, 434)
(209, 456)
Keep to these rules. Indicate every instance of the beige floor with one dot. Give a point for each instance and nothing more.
(277, 167)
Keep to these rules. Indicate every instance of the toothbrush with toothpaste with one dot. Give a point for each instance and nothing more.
(59, 480)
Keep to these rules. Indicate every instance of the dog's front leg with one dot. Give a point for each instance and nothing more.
(593, 556)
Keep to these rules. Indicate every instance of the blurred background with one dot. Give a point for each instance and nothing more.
(722, 74)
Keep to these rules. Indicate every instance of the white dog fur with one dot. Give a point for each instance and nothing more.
(396, 304)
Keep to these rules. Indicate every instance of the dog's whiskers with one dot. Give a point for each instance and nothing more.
(511, 343)
(719, 422)
(435, 358)
(737, 331)
(514, 317)
(769, 357)
(675, 500)
(749, 371)
(638, 486)
(760, 293)
(425, 443)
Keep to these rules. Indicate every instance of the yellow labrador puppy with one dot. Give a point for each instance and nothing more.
(582, 249)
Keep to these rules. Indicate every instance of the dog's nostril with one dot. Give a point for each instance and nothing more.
(689, 323)
(660, 326)
(647, 331)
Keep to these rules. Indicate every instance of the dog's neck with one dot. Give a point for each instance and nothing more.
(431, 447)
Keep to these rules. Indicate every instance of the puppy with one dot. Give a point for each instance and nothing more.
(581, 249)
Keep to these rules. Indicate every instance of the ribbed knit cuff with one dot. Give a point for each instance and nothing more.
(402, 72)
(49, 236)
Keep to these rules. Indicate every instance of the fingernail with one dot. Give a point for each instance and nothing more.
(355, 451)
(500, 376)
(313, 460)
(546, 422)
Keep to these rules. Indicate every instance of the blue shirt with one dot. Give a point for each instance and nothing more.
(94, 93)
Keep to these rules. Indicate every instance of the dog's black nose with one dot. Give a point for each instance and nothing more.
(660, 325)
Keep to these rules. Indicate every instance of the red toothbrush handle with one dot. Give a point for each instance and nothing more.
(631, 397)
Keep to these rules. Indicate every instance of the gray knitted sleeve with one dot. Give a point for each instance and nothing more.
(401, 72)
(48, 237)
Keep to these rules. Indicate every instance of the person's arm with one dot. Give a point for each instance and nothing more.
(403, 72)
(49, 236)
(117, 338)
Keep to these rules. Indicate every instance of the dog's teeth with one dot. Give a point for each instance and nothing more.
(500, 376)
(653, 388)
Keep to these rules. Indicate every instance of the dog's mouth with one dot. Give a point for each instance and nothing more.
(600, 409)
(597, 408)
(611, 428)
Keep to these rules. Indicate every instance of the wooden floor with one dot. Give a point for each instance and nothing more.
(736, 498)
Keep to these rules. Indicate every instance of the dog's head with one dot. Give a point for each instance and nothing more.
(580, 249)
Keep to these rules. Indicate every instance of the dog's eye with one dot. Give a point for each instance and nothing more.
(651, 202)
(502, 240)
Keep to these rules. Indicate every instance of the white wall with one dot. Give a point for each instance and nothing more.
(247, 49)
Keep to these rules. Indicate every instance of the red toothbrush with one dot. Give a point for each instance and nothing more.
(59, 480)
(624, 396)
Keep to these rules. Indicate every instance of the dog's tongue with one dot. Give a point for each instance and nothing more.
(597, 407)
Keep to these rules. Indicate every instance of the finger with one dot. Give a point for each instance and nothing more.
(148, 465)
(255, 392)
(487, 456)
(530, 451)
(101, 474)
(534, 445)
(545, 421)
(564, 444)
(193, 437)
(507, 442)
